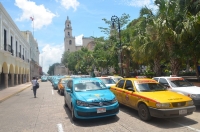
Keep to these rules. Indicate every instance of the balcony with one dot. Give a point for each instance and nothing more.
(9, 49)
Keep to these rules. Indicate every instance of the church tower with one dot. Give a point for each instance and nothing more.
(68, 40)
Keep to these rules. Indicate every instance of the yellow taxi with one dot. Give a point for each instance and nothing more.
(61, 84)
(151, 99)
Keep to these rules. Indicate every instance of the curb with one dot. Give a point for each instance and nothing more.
(14, 93)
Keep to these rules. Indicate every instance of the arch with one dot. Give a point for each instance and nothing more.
(16, 69)
(12, 69)
(23, 71)
(5, 67)
(20, 70)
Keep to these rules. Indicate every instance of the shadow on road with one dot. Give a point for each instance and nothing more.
(91, 122)
(164, 123)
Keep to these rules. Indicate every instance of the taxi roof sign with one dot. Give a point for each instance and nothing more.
(138, 77)
(173, 76)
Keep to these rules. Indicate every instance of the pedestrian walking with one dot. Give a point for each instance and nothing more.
(34, 82)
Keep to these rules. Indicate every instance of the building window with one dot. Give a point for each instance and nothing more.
(16, 49)
(70, 42)
(68, 33)
(5, 40)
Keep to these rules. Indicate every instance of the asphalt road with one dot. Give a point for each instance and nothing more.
(46, 113)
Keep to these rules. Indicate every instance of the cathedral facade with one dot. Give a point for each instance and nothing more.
(70, 43)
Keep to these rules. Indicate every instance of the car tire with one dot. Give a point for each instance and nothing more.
(72, 113)
(143, 112)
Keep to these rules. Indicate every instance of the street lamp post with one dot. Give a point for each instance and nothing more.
(114, 20)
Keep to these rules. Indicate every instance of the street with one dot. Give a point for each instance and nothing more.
(46, 113)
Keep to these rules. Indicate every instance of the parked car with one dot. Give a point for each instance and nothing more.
(61, 84)
(151, 99)
(89, 98)
(44, 79)
(55, 81)
(182, 86)
(107, 81)
(116, 78)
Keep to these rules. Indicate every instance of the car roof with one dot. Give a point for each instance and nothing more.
(167, 77)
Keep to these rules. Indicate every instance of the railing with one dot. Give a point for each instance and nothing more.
(9, 48)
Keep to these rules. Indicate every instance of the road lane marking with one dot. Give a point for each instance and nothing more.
(60, 128)
(52, 92)
(191, 128)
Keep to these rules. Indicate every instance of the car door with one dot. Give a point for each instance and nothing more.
(68, 93)
(118, 90)
(129, 92)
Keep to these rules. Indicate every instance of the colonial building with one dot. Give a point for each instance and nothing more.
(60, 69)
(34, 54)
(70, 43)
(14, 53)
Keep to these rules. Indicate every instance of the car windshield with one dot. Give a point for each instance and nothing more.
(88, 86)
(149, 87)
(179, 82)
(108, 80)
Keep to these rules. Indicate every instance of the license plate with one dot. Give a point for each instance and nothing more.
(182, 112)
(101, 110)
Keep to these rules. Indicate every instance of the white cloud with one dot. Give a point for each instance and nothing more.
(70, 4)
(79, 40)
(50, 55)
(138, 3)
(42, 16)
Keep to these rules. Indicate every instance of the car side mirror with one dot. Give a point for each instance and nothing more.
(68, 90)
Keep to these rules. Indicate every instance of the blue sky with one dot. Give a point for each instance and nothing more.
(50, 16)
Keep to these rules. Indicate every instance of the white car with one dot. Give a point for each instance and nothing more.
(182, 86)
(116, 78)
(107, 81)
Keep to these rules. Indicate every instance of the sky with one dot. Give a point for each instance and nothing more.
(49, 16)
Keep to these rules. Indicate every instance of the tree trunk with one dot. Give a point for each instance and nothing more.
(157, 68)
(175, 66)
(196, 68)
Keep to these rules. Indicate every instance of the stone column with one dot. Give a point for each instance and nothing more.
(17, 79)
(6, 80)
(20, 78)
(28, 75)
(12, 79)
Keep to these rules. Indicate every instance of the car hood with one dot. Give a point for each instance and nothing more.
(95, 96)
(164, 96)
(187, 90)
(108, 85)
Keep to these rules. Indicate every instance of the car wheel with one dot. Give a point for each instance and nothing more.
(73, 116)
(143, 112)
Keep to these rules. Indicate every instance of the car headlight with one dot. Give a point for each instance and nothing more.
(162, 105)
(195, 96)
(82, 103)
(189, 103)
(114, 100)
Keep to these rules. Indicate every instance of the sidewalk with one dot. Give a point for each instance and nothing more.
(10, 91)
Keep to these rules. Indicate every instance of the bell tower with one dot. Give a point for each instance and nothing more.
(68, 28)
(68, 40)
